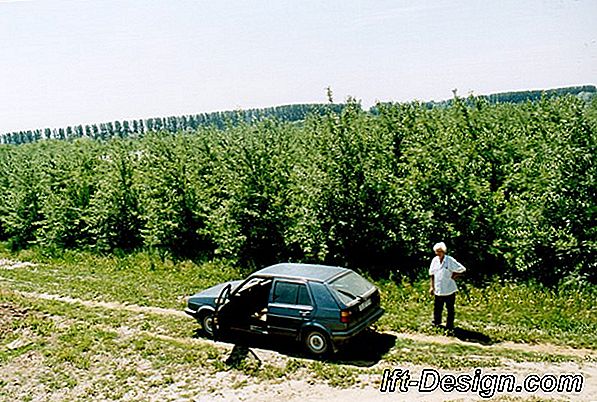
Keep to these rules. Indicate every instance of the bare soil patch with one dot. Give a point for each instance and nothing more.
(11, 264)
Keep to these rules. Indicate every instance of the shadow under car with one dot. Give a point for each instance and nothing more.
(364, 350)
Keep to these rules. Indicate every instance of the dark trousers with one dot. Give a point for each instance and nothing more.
(438, 308)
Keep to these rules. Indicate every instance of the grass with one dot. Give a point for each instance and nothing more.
(138, 278)
(87, 352)
(517, 312)
(93, 352)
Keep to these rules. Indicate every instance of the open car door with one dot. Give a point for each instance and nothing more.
(243, 308)
(221, 301)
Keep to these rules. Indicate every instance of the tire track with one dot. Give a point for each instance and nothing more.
(133, 308)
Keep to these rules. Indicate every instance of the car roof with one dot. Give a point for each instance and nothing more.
(312, 272)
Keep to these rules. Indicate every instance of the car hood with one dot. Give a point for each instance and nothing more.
(214, 291)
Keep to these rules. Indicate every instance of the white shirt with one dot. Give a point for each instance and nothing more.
(442, 275)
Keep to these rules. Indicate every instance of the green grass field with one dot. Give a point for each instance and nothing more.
(501, 311)
(109, 353)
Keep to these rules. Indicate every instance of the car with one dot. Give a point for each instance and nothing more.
(319, 306)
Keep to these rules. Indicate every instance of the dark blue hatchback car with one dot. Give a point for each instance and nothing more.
(318, 305)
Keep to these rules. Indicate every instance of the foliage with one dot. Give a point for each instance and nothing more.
(584, 92)
(509, 187)
(172, 124)
(289, 113)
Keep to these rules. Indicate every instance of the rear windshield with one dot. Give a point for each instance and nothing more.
(348, 287)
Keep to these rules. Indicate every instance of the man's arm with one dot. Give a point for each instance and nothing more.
(456, 268)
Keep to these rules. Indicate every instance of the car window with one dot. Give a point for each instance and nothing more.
(285, 293)
(291, 293)
(303, 296)
(348, 287)
(322, 296)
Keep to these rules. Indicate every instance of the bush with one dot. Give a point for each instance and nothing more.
(509, 187)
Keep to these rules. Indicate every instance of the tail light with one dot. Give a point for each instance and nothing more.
(345, 316)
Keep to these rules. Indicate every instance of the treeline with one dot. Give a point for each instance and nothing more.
(523, 96)
(584, 92)
(172, 124)
(510, 188)
(289, 113)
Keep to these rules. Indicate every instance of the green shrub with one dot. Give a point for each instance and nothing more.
(509, 187)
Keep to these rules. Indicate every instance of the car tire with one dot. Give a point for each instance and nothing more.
(207, 323)
(317, 342)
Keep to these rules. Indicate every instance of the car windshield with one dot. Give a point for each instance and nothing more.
(350, 286)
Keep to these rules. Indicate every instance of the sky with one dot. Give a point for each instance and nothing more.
(67, 62)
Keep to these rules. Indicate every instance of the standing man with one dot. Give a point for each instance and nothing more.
(442, 271)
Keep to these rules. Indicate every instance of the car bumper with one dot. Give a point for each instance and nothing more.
(341, 336)
(190, 312)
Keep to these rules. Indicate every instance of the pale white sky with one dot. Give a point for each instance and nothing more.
(65, 62)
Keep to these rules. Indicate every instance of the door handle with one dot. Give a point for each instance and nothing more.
(305, 313)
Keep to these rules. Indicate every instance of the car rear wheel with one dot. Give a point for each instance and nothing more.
(317, 342)
(207, 322)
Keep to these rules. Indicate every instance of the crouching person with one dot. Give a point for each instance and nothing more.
(443, 270)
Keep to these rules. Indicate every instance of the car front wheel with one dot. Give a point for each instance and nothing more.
(317, 342)
(207, 322)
